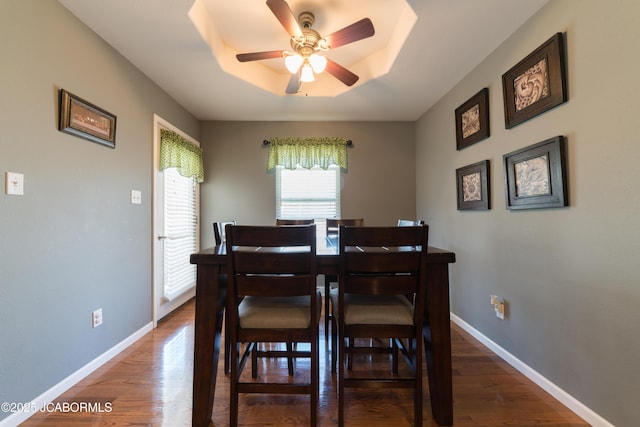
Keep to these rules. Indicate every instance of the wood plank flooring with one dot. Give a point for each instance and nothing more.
(149, 384)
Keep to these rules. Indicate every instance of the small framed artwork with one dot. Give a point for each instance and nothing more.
(535, 176)
(473, 186)
(472, 120)
(81, 118)
(535, 84)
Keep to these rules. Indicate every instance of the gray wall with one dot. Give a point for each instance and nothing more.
(73, 242)
(570, 276)
(379, 184)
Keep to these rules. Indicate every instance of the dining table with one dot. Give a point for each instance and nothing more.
(210, 302)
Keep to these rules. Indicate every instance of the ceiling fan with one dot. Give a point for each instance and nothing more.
(308, 46)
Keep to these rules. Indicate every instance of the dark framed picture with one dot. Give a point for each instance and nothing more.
(472, 120)
(535, 176)
(535, 84)
(473, 188)
(81, 118)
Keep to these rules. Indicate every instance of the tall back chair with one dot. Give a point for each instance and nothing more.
(379, 266)
(219, 238)
(332, 229)
(272, 298)
(218, 231)
(281, 221)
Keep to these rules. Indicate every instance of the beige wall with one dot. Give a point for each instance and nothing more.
(379, 184)
(570, 276)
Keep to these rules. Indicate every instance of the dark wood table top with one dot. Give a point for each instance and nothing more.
(327, 248)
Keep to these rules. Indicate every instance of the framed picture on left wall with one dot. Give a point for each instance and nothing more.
(86, 120)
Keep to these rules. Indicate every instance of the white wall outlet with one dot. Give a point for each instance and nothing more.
(136, 197)
(497, 306)
(14, 183)
(96, 318)
(500, 310)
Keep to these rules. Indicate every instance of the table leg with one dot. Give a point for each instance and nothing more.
(437, 343)
(210, 303)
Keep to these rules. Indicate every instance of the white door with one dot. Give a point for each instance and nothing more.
(176, 231)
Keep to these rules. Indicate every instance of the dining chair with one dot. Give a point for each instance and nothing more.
(379, 266)
(272, 298)
(332, 228)
(409, 222)
(281, 221)
(218, 231)
(219, 238)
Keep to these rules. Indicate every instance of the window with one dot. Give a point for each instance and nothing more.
(308, 193)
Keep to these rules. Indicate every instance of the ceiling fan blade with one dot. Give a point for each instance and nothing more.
(341, 73)
(294, 83)
(351, 33)
(255, 56)
(283, 12)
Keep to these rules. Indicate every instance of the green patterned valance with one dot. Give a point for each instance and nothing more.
(307, 152)
(177, 152)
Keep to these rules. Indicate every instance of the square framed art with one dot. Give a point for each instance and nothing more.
(472, 120)
(535, 84)
(535, 176)
(473, 190)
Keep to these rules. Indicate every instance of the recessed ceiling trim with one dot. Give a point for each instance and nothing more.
(370, 61)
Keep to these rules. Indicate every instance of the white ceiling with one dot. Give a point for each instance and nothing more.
(449, 39)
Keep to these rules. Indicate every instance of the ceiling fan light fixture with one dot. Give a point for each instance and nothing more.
(293, 63)
(318, 63)
(306, 74)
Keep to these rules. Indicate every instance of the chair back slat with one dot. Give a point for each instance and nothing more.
(272, 237)
(378, 236)
(410, 222)
(276, 286)
(281, 221)
(333, 224)
(383, 285)
(384, 262)
(264, 261)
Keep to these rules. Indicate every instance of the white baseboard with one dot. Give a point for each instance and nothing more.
(562, 396)
(48, 396)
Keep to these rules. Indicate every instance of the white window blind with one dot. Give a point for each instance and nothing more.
(180, 231)
(308, 193)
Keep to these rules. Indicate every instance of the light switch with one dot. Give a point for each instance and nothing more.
(136, 197)
(14, 183)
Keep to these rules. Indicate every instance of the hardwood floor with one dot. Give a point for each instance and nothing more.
(149, 384)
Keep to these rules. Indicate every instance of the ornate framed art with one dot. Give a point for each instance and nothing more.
(535, 176)
(473, 186)
(472, 120)
(535, 84)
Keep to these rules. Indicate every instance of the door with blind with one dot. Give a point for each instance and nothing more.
(176, 231)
